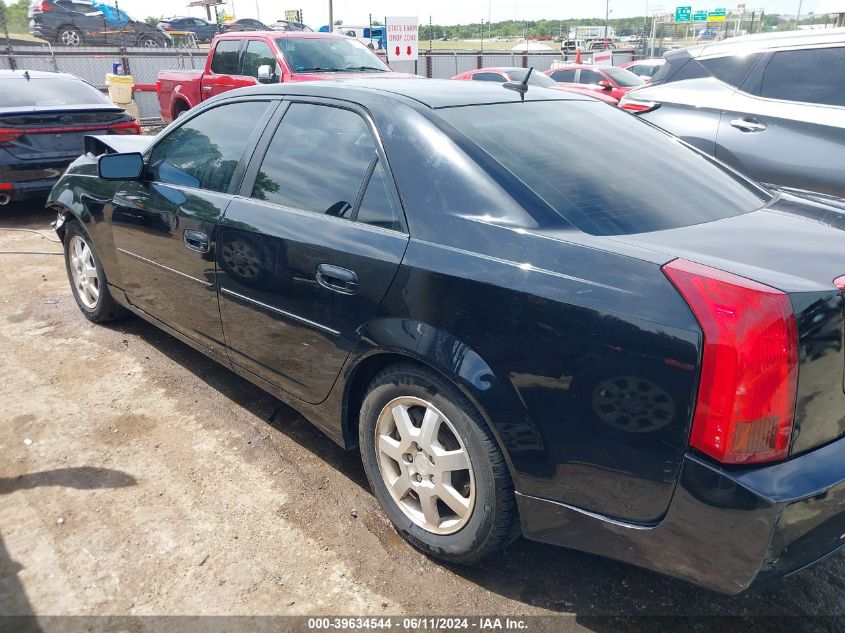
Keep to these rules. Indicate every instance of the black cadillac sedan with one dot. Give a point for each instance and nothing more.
(640, 358)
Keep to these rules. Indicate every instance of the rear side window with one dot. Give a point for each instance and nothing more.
(205, 151)
(257, 54)
(567, 76)
(655, 181)
(732, 69)
(18, 92)
(317, 160)
(377, 205)
(812, 76)
(225, 60)
(488, 77)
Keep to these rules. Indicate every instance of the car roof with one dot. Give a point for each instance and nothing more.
(276, 34)
(431, 93)
(765, 41)
(36, 74)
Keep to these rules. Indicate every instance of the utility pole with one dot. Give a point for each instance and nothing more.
(331, 17)
(607, 21)
(798, 17)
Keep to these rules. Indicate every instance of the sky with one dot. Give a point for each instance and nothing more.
(447, 11)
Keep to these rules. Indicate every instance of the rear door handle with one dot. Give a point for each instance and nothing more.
(196, 240)
(337, 279)
(748, 125)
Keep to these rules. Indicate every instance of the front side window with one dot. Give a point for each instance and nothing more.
(205, 151)
(317, 160)
(536, 79)
(324, 54)
(225, 60)
(590, 77)
(657, 182)
(814, 75)
(257, 54)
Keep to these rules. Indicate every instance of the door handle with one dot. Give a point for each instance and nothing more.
(748, 125)
(206, 88)
(196, 240)
(337, 279)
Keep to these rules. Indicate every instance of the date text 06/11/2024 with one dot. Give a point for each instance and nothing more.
(484, 623)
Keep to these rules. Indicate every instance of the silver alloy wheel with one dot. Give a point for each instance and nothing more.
(84, 272)
(425, 465)
(149, 42)
(71, 37)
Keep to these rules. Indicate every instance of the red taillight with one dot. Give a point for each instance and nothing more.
(749, 369)
(637, 106)
(6, 186)
(7, 135)
(126, 127)
(47, 5)
(839, 282)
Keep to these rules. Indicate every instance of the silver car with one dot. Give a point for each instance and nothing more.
(772, 106)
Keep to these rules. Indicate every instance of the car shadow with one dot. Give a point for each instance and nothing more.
(16, 612)
(604, 595)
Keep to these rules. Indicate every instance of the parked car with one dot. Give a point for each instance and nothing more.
(570, 46)
(644, 68)
(239, 59)
(611, 80)
(43, 120)
(203, 31)
(245, 24)
(643, 362)
(709, 34)
(79, 23)
(517, 74)
(772, 106)
(289, 25)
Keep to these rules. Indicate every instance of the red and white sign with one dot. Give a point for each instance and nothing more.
(402, 38)
(603, 59)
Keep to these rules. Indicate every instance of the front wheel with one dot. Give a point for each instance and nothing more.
(148, 42)
(435, 467)
(87, 279)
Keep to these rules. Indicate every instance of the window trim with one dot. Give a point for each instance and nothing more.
(263, 145)
(243, 161)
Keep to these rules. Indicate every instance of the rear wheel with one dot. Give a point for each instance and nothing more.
(70, 36)
(435, 467)
(87, 279)
(148, 42)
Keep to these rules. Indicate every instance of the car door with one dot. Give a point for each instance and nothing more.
(224, 69)
(787, 123)
(164, 225)
(308, 250)
(87, 19)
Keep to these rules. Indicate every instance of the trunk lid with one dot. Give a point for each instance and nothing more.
(797, 245)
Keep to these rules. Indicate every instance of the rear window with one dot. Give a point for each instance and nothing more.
(18, 92)
(606, 172)
(225, 60)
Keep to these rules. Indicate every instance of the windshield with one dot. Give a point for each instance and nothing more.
(329, 54)
(606, 172)
(537, 78)
(18, 92)
(623, 78)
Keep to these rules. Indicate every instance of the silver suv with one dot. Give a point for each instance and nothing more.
(772, 106)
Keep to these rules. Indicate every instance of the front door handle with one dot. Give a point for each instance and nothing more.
(748, 125)
(196, 240)
(337, 279)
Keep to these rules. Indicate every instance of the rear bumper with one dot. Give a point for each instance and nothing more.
(30, 178)
(31, 189)
(725, 530)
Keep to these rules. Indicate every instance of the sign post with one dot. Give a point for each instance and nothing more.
(402, 38)
(683, 14)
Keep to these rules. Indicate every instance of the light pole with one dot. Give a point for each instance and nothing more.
(331, 17)
(606, 21)
(798, 17)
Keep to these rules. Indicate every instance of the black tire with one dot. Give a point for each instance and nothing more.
(69, 36)
(105, 308)
(148, 41)
(493, 521)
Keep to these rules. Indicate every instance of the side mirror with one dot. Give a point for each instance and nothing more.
(605, 85)
(265, 74)
(120, 166)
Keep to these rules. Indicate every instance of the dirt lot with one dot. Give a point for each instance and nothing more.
(138, 477)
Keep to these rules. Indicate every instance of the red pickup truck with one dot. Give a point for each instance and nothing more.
(246, 58)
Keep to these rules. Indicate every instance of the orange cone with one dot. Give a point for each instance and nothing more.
(577, 55)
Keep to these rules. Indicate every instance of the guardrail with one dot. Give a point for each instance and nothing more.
(93, 63)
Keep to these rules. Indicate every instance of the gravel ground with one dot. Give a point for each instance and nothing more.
(140, 478)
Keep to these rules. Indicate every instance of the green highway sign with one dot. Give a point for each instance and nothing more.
(683, 14)
(700, 16)
(717, 15)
